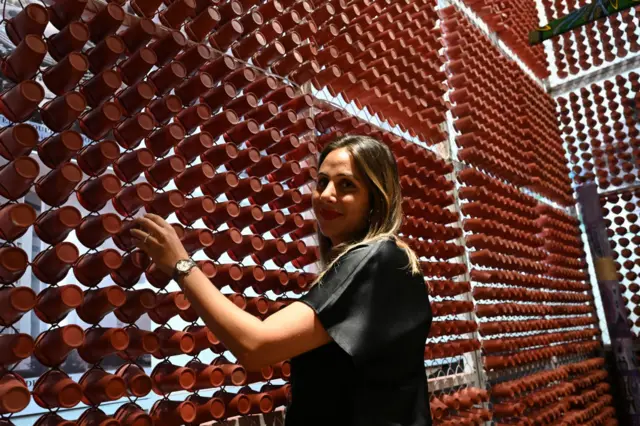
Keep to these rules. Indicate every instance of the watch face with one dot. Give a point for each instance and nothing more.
(183, 265)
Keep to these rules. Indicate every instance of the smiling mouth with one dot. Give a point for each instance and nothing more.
(329, 214)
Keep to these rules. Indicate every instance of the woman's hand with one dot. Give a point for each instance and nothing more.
(159, 240)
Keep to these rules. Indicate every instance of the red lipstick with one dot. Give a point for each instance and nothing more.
(329, 214)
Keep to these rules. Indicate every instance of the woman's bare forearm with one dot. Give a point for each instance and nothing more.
(237, 329)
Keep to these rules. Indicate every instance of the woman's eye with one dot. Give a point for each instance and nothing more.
(347, 184)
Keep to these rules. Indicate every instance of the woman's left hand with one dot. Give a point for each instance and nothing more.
(159, 240)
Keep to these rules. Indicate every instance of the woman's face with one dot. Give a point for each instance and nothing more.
(340, 198)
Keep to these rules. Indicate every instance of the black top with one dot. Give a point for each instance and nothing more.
(372, 373)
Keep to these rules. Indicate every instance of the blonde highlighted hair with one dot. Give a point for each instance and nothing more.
(378, 166)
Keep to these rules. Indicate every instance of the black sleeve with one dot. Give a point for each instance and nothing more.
(369, 299)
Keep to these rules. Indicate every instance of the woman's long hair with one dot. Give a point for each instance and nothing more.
(376, 163)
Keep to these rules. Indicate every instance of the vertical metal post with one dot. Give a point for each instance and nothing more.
(627, 371)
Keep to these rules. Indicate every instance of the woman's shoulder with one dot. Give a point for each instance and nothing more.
(384, 250)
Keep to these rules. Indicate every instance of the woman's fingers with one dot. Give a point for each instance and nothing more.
(139, 234)
(158, 220)
(150, 226)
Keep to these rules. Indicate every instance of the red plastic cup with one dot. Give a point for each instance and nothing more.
(101, 87)
(137, 382)
(241, 77)
(141, 342)
(224, 212)
(220, 183)
(133, 415)
(165, 138)
(231, 10)
(71, 38)
(131, 164)
(15, 302)
(131, 131)
(177, 12)
(252, 21)
(51, 266)
(134, 98)
(193, 177)
(244, 189)
(93, 416)
(53, 226)
(245, 158)
(93, 267)
(287, 143)
(249, 45)
(173, 413)
(300, 127)
(52, 347)
(198, 29)
(288, 63)
(95, 158)
(242, 131)
(33, 19)
(59, 148)
(100, 302)
(53, 419)
(63, 13)
(194, 87)
(14, 395)
(219, 67)
(55, 389)
(54, 303)
(133, 266)
(100, 342)
(194, 146)
(194, 116)
(61, 112)
(97, 122)
(194, 57)
(94, 194)
(280, 96)
(17, 177)
(264, 139)
(106, 22)
(247, 216)
(195, 209)
(173, 342)
(20, 102)
(218, 96)
(271, 10)
(168, 46)
(18, 140)
(165, 78)
(139, 34)
(66, 74)
(305, 72)
(95, 230)
(98, 386)
(55, 187)
(269, 192)
(15, 220)
(228, 33)
(146, 8)
(269, 54)
(220, 123)
(161, 173)
(105, 54)
(266, 165)
(137, 66)
(24, 62)
(166, 203)
(163, 109)
(130, 199)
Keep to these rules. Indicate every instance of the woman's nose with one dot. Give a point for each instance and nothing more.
(329, 193)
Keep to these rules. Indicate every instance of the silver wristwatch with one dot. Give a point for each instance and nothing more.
(183, 267)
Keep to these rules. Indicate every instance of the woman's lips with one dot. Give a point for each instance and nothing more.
(329, 214)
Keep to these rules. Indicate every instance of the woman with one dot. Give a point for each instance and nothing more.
(356, 339)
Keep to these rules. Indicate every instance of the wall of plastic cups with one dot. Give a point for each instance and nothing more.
(211, 114)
